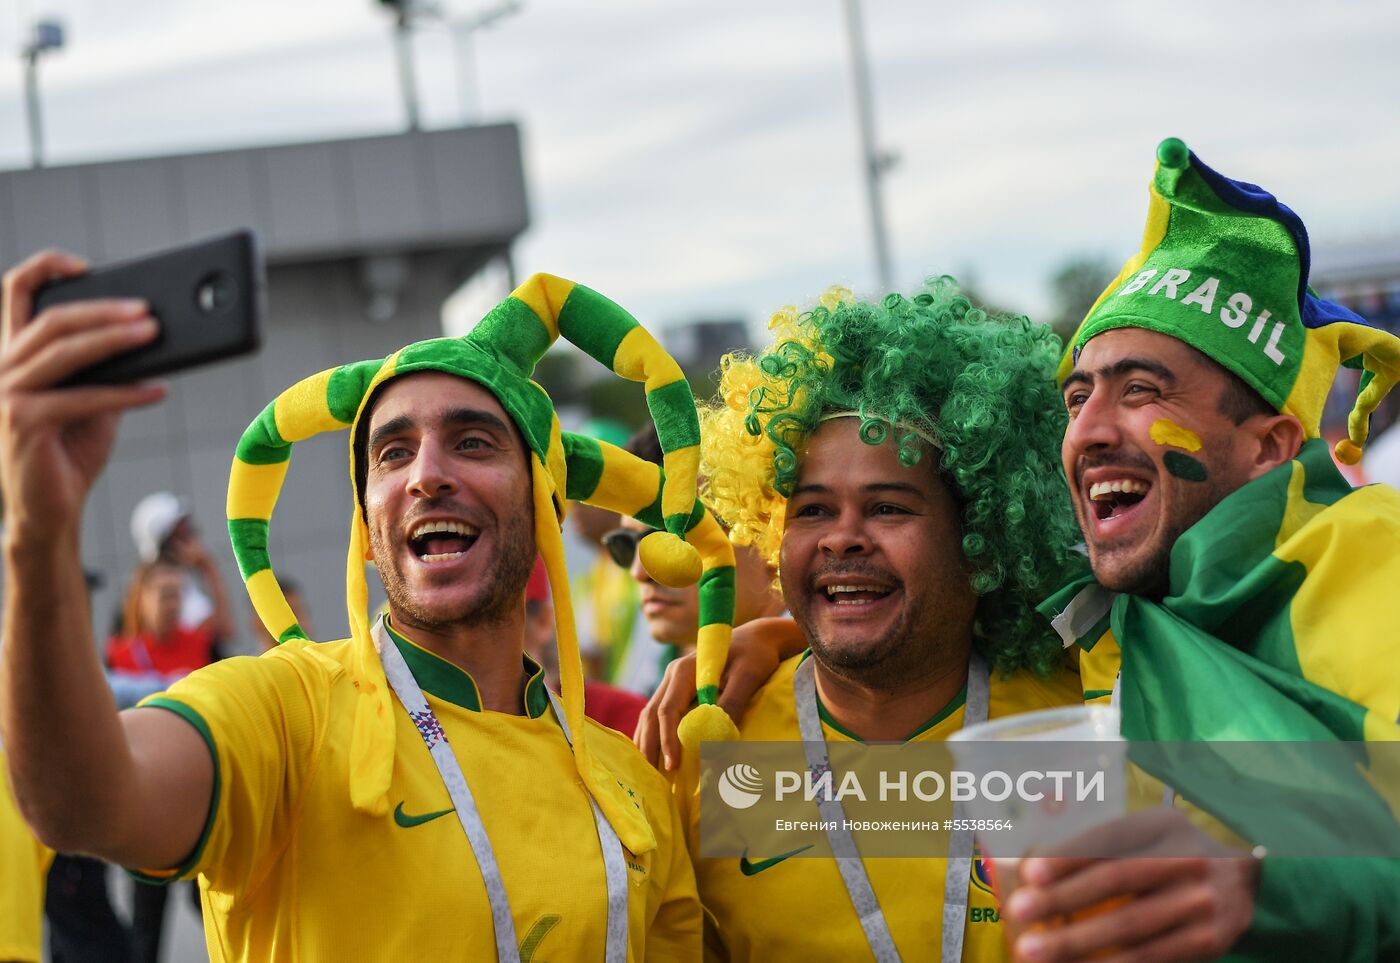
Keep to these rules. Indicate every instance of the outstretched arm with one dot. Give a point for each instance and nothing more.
(132, 789)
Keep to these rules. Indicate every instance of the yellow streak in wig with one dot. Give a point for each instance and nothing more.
(681, 467)
(736, 467)
(1164, 431)
(269, 602)
(628, 483)
(302, 411)
(835, 296)
(711, 651)
(545, 295)
(253, 489)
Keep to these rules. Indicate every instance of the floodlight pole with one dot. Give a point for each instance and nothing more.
(47, 35)
(463, 31)
(874, 161)
(30, 57)
(403, 46)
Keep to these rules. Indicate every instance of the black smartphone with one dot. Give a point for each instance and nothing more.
(207, 297)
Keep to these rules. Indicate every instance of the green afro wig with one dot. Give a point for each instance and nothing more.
(933, 366)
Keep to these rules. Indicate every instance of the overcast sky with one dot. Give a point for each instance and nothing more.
(700, 159)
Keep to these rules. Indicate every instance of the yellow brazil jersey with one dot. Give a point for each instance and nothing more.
(797, 908)
(1099, 666)
(24, 863)
(291, 871)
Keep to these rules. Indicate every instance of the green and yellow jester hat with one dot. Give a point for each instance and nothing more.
(1224, 267)
(500, 354)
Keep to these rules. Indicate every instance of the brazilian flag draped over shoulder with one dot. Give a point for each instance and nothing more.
(1275, 609)
(1280, 622)
(1279, 627)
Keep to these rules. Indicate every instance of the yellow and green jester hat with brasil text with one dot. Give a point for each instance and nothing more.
(500, 354)
(1224, 267)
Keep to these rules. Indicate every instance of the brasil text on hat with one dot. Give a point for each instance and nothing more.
(1224, 267)
(500, 354)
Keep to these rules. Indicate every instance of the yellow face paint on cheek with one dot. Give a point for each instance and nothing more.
(1164, 431)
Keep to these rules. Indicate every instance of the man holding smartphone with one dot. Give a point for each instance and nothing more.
(416, 779)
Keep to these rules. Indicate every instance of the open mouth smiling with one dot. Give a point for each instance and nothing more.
(442, 541)
(1114, 498)
(853, 593)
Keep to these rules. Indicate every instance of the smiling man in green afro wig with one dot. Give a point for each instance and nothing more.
(895, 461)
(414, 791)
(1240, 587)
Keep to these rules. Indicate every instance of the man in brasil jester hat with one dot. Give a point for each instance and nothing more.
(414, 791)
(1239, 585)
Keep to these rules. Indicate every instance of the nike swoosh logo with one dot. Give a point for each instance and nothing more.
(754, 868)
(406, 821)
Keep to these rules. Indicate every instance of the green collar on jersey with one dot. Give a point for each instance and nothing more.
(953, 705)
(441, 679)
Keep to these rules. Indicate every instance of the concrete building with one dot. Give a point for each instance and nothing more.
(364, 241)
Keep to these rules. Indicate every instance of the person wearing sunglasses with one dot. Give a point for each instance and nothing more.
(671, 615)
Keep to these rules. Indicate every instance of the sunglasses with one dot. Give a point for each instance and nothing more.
(621, 544)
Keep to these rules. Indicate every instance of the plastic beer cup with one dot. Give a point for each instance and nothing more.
(1078, 739)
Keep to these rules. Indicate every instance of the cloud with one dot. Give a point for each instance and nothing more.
(699, 158)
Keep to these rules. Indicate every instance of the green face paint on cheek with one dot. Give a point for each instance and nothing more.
(1185, 467)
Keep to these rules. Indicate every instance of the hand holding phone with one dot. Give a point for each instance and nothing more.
(54, 443)
(207, 298)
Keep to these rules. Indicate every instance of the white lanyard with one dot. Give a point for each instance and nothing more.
(959, 872)
(401, 680)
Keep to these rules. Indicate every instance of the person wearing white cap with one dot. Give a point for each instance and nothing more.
(163, 528)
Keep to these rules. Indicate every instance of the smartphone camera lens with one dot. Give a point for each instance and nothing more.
(215, 292)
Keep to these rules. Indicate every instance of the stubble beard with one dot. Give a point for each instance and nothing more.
(496, 599)
(888, 663)
(1149, 574)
